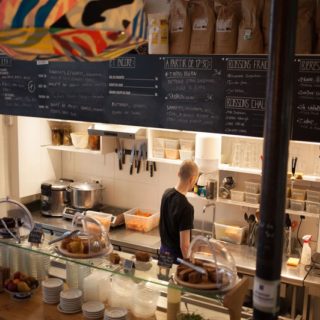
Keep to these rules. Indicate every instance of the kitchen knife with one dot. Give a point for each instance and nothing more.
(154, 166)
(119, 153)
(151, 170)
(132, 158)
(123, 153)
(139, 158)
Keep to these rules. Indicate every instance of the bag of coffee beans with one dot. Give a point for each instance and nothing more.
(305, 23)
(179, 27)
(266, 24)
(250, 34)
(202, 27)
(226, 33)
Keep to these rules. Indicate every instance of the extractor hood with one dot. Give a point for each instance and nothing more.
(116, 130)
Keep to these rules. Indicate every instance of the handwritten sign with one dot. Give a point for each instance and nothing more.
(36, 234)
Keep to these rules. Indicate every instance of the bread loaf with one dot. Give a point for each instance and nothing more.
(114, 258)
(194, 277)
(142, 256)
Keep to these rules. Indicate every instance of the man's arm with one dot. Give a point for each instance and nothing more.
(184, 242)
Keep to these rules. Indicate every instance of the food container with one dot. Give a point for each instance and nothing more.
(237, 195)
(233, 234)
(313, 207)
(171, 143)
(298, 194)
(313, 195)
(85, 195)
(141, 219)
(252, 186)
(158, 143)
(94, 142)
(56, 136)
(121, 292)
(252, 197)
(66, 136)
(145, 300)
(104, 218)
(297, 205)
(172, 153)
(79, 139)
(186, 144)
(158, 153)
(186, 154)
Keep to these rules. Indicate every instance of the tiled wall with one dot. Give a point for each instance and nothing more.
(141, 190)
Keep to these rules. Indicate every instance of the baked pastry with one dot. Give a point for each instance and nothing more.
(142, 256)
(184, 274)
(194, 277)
(114, 258)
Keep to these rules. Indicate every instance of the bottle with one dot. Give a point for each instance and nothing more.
(306, 250)
(173, 302)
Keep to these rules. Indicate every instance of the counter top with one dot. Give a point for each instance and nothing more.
(128, 240)
(119, 236)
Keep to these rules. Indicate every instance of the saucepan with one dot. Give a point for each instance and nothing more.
(85, 195)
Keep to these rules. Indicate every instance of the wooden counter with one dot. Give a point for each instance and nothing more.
(35, 309)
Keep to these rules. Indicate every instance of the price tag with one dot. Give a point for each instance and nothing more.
(36, 234)
(127, 265)
(165, 260)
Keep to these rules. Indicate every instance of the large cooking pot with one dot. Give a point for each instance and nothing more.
(85, 195)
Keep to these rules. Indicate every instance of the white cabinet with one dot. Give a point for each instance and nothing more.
(29, 163)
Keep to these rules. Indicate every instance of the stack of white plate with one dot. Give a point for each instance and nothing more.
(116, 314)
(51, 289)
(70, 301)
(93, 310)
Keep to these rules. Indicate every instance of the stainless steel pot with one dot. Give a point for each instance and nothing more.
(85, 195)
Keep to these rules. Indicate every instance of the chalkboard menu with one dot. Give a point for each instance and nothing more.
(221, 94)
(306, 112)
(245, 95)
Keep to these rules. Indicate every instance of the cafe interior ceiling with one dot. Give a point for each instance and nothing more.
(71, 30)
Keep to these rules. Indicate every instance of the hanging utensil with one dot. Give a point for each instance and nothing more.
(294, 165)
(132, 158)
(119, 152)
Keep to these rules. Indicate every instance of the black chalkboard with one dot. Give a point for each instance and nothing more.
(245, 92)
(306, 99)
(36, 234)
(221, 94)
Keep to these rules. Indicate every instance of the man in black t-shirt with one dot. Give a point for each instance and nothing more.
(177, 214)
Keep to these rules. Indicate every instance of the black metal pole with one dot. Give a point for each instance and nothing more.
(277, 130)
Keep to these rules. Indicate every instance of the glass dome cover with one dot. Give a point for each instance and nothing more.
(219, 274)
(16, 221)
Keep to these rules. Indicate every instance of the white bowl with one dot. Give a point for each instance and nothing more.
(79, 139)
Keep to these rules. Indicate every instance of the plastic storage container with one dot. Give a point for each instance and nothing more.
(298, 194)
(186, 154)
(313, 195)
(252, 186)
(186, 144)
(233, 234)
(297, 205)
(313, 207)
(237, 195)
(104, 218)
(172, 153)
(252, 197)
(158, 153)
(141, 219)
(158, 143)
(171, 143)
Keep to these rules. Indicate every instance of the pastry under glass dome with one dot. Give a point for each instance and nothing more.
(220, 273)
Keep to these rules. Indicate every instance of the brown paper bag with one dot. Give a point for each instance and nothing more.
(250, 34)
(179, 27)
(306, 11)
(226, 34)
(266, 23)
(317, 48)
(202, 27)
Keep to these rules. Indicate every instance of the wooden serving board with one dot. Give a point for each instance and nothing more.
(66, 253)
(203, 286)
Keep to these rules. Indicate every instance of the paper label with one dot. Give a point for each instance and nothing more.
(177, 25)
(247, 34)
(265, 295)
(224, 25)
(200, 24)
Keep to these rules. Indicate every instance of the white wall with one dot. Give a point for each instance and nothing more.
(4, 172)
(125, 190)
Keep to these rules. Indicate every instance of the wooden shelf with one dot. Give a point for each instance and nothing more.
(72, 149)
(227, 167)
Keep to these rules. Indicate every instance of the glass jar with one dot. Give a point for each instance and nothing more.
(56, 136)
(66, 136)
(94, 142)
